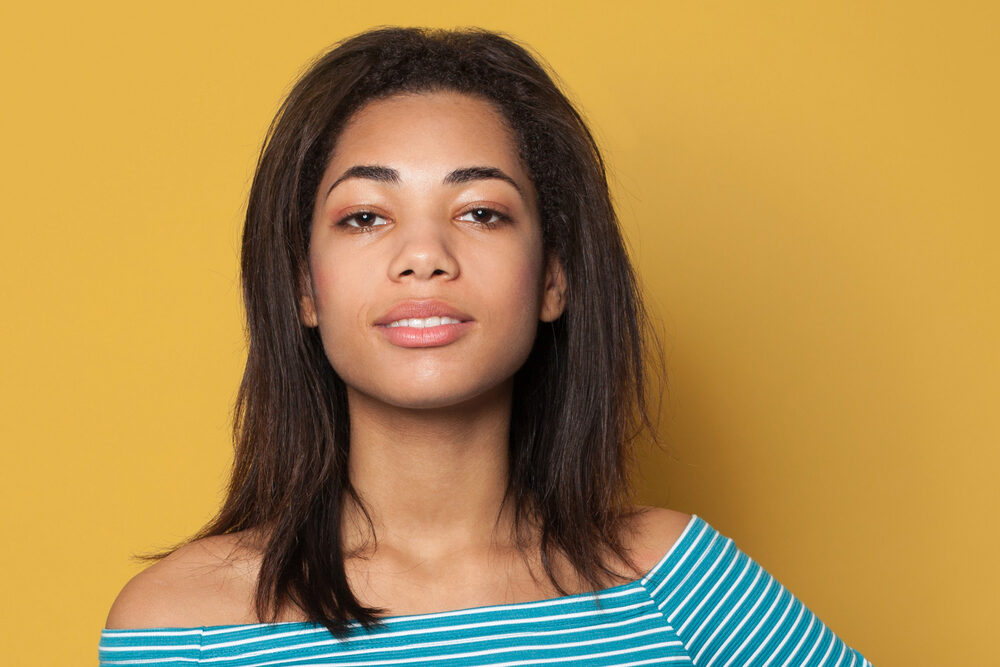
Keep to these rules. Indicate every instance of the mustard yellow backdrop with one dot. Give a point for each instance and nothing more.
(809, 192)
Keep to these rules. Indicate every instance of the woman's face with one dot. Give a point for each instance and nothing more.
(425, 204)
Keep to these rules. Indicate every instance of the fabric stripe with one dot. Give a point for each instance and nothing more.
(730, 612)
(704, 604)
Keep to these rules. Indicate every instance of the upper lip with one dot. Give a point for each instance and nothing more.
(422, 308)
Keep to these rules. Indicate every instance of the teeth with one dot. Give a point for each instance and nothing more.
(426, 322)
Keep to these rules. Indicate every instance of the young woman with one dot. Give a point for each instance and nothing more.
(445, 374)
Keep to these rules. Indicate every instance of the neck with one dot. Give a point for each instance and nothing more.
(433, 480)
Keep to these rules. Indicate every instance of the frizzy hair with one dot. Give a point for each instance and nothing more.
(579, 401)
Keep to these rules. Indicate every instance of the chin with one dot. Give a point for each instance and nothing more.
(432, 401)
(428, 404)
(433, 396)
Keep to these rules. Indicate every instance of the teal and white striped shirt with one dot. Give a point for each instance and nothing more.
(705, 603)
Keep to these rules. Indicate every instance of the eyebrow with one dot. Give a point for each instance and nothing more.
(382, 174)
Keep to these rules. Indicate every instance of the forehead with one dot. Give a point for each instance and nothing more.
(441, 128)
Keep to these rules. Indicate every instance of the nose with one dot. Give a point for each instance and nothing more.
(423, 253)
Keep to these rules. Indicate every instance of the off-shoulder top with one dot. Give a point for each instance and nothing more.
(705, 603)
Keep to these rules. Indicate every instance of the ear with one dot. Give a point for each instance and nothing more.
(307, 302)
(554, 294)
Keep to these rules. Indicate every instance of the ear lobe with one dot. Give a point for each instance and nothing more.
(307, 312)
(307, 304)
(554, 295)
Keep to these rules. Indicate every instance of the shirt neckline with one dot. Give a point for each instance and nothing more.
(426, 616)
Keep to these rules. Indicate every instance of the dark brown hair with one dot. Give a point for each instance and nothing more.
(577, 401)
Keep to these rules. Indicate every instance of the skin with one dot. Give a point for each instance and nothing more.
(429, 426)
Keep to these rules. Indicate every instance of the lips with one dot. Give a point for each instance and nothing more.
(421, 309)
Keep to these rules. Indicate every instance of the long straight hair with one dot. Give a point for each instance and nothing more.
(579, 400)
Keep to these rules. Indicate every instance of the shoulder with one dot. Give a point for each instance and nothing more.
(206, 582)
(653, 533)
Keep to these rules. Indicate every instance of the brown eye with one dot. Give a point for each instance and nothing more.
(487, 217)
(364, 220)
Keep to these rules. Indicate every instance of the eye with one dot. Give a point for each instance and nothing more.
(362, 220)
(485, 216)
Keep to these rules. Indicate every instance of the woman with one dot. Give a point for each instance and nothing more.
(444, 375)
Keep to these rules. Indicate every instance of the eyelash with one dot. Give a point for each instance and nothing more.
(501, 218)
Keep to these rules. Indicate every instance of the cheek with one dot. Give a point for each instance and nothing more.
(528, 274)
(526, 287)
(338, 291)
(515, 282)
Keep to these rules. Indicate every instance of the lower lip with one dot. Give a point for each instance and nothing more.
(426, 336)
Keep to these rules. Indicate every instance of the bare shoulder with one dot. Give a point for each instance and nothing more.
(207, 582)
(654, 532)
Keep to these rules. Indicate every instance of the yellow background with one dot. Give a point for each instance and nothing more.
(809, 193)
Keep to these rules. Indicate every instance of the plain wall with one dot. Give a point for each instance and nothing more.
(809, 195)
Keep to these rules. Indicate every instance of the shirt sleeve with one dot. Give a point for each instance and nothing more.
(730, 612)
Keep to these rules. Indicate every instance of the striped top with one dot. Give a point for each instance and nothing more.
(705, 603)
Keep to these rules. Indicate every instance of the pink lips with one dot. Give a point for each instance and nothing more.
(443, 334)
